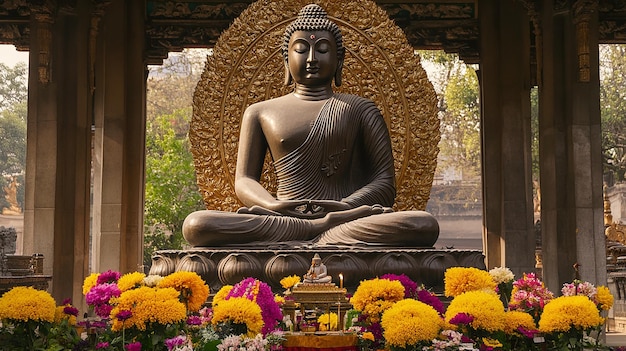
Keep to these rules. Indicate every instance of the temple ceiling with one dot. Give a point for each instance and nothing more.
(450, 25)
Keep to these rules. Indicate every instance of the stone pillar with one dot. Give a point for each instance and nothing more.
(504, 76)
(58, 165)
(119, 139)
(570, 144)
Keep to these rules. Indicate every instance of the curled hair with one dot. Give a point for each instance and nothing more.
(311, 18)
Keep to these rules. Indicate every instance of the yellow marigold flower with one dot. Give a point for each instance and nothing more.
(130, 281)
(368, 336)
(279, 299)
(288, 282)
(604, 298)
(486, 309)
(374, 296)
(192, 288)
(148, 305)
(328, 321)
(494, 343)
(409, 322)
(90, 282)
(565, 312)
(26, 303)
(516, 319)
(458, 280)
(239, 310)
(221, 294)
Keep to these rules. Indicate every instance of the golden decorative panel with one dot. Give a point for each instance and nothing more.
(247, 67)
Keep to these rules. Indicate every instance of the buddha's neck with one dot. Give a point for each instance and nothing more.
(313, 93)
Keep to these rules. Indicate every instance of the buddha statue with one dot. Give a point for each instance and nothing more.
(317, 273)
(332, 157)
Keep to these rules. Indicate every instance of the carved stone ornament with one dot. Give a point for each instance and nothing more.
(247, 67)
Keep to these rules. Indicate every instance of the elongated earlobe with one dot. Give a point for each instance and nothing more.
(288, 77)
(338, 74)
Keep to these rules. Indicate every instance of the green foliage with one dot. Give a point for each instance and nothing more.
(613, 109)
(13, 88)
(171, 190)
(457, 88)
(13, 113)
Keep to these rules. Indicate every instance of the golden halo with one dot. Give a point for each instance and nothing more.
(247, 67)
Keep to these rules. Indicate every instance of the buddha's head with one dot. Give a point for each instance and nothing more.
(313, 50)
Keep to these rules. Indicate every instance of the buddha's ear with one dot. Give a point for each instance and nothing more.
(288, 77)
(338, 73)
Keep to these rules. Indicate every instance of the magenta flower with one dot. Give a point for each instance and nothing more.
(70, 310)
(431, 299)
(102, 293)
(194, 320)
(461, 318)
(175, 341)
(258, 291)
(102, 345)
(527, 332)
(67, 301)
(124, 315)
(135, 346)
(108, 277)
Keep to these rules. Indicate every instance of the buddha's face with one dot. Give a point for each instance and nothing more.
(312, 57)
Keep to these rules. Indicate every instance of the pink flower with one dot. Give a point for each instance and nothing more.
(175, 341)
(135, 346)
(102, 345)
(194, 320)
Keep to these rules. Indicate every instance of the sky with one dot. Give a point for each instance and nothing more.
(10, 57)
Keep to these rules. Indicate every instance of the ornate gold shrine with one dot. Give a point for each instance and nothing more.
(247, 67)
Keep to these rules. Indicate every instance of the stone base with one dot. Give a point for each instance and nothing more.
(228, 266)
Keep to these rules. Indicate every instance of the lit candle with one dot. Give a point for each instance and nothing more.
(341, 280)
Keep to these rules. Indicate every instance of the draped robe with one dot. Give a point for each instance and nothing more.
(346, 157)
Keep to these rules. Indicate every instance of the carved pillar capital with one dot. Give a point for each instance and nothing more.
(582, 12)
(43, 15)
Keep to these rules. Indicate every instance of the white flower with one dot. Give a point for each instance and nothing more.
(152, 280)
(501, 275)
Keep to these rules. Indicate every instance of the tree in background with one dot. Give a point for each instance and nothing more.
(613, 109)
(171, 190)
(457, 88)
(13, 113)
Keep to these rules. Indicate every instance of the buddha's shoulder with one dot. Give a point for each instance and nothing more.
(269, 104)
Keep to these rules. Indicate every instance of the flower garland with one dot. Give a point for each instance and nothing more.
(192, 289)
(458, 280)
(410, 322)
(27, 304)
